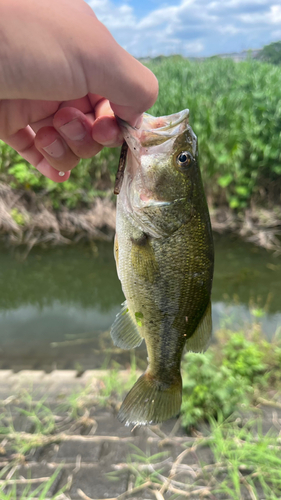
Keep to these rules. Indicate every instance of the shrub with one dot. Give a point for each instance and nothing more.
(271, 53)
(209, 389)
(225, 376)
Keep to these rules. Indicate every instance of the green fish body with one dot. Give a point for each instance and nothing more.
(164, 257)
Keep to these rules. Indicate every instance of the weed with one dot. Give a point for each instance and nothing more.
(208, 388)
(143, 466)
(247, 450)
(76, 402)
(244, 358)
(231, 108)
(115, 387)
(9, 489)
(39, 414)
(230, 373)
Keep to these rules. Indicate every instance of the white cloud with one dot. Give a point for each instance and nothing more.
(114, 17)
(192, 27)
(275, 13)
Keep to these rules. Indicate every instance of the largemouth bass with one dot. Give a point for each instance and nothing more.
(164, 257)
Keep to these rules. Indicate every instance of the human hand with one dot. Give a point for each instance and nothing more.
(62, 78)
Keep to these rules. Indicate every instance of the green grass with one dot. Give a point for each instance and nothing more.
(235, 110)
(115, 387)
(9, 490)
(111, 389)
(38, 414)
(243, 462)
(252, 459)
(236, 370)
(231, 455)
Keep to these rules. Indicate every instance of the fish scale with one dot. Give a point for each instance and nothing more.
(165, 261)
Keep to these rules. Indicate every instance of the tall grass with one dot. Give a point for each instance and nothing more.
(235, 110)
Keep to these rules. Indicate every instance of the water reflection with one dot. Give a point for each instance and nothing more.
(71, 293)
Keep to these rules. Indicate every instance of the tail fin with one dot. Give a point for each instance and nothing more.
(151, 401)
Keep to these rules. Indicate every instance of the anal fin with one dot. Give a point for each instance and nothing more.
(124, 331)
(201, 338)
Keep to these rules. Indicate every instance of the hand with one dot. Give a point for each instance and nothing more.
(62, 78)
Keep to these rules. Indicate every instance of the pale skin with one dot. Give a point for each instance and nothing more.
(62, 80)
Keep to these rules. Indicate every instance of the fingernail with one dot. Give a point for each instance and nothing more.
(74, 130)
(55, 149)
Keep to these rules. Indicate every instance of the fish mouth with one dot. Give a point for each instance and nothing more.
(164, 123)
(154, 130)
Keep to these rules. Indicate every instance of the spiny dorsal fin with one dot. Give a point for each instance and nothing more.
(200, 340)
(124, 331)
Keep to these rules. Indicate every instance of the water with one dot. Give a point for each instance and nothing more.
(57, 305)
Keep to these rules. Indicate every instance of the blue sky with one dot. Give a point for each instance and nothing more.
(190, 27)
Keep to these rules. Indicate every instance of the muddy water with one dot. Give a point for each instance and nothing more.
(57, 305)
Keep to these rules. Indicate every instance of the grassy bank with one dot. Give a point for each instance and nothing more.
(234, 109)
(225, 445)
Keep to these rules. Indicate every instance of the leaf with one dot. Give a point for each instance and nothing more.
(234, 202)
(225, 180)
(242, 190)
(277, 169)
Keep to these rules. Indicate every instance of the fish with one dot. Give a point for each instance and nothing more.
(164, 256)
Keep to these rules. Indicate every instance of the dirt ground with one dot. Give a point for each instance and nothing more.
(88, 446)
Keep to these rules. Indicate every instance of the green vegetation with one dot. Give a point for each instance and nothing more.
(252, 459)
(9, 489)
(245, 464)
(271, 53)
(113, 387)
(90, 179)
(232, 373)
(232, 451)
(235, 109)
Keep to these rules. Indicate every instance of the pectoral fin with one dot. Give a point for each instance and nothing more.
(143, 259)
(124, 331)
(200, 340)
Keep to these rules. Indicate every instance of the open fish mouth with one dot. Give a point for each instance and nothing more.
(153, 130)
(164, 123)
(155, 136)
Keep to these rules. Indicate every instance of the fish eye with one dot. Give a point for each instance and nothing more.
(184, 159)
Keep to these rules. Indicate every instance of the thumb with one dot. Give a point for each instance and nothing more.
(130, 87)
(128, 114)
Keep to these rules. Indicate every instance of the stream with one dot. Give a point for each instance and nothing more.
(57, 305)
